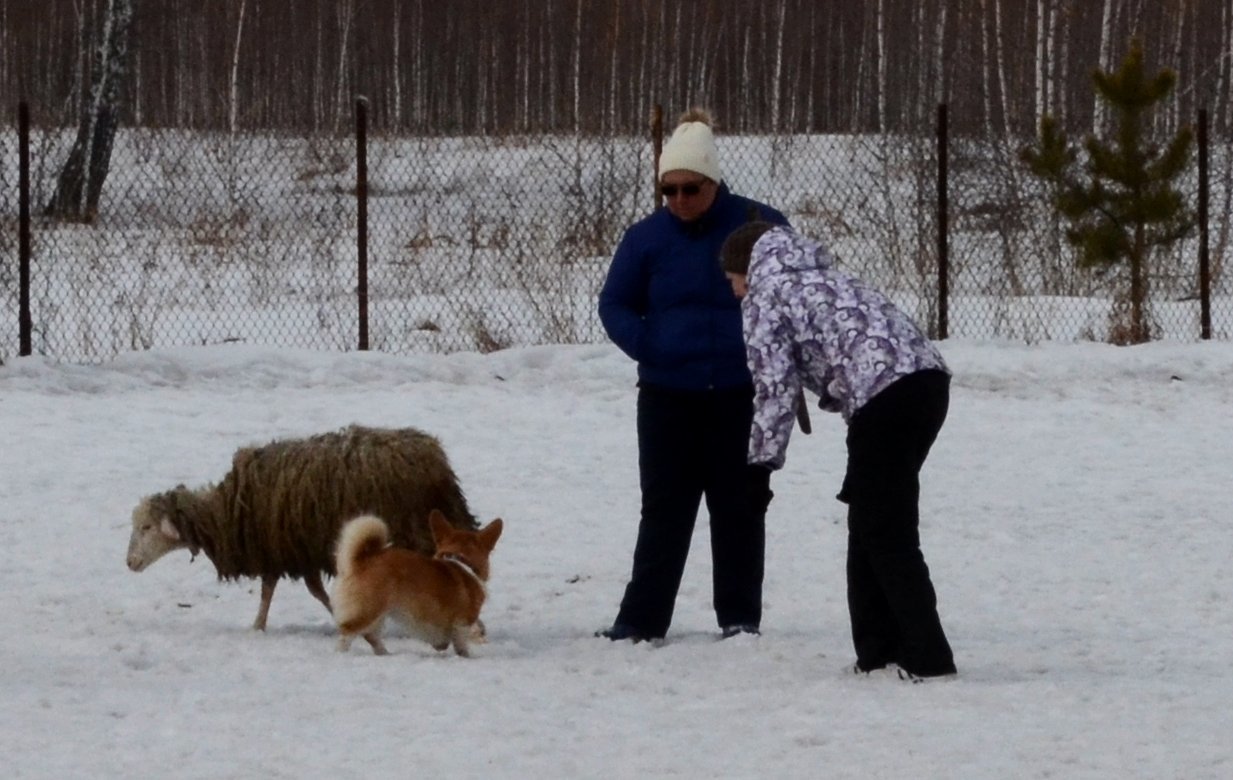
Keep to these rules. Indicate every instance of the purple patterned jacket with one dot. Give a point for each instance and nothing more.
(809, 325)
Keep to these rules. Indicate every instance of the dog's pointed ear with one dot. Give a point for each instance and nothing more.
(490, 533)
(437, 524)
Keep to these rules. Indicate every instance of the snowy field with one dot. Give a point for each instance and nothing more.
(1077, 520)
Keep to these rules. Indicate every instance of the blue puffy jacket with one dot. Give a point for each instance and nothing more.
(667, 304)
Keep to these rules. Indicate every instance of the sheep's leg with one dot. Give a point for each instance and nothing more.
(267, 594)
(313, 583)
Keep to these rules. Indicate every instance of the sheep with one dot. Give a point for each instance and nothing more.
(278, 511)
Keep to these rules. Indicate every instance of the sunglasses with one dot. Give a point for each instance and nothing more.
(688, 190)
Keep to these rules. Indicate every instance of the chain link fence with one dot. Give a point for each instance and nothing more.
(481, 243)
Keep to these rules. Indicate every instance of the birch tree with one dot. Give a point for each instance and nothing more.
(233, 99)
(1042, 58)
(396, 68)
(80, 183)
(342, 105)
(880, 25)
(777, 67)
(576, 66)
(1105, 61)
(1226, 58)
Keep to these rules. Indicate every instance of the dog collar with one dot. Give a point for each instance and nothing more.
(466, 566)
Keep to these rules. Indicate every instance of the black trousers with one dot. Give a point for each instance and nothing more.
(891, 600)
(693, 445)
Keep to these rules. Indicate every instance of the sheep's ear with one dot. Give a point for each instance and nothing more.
(169, 529)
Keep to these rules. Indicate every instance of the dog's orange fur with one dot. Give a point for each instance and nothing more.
(437, 598)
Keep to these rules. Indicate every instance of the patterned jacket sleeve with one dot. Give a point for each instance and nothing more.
(768, 345)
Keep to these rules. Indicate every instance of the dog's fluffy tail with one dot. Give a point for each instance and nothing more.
(360, 539)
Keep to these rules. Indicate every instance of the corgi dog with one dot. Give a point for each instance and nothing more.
(437, 598)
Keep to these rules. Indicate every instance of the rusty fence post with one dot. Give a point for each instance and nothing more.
(361, 232)
(943, 223)
(657, 144)
(1205, 270)
(25, 325)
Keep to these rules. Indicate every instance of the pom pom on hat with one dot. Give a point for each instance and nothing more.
(691, 147)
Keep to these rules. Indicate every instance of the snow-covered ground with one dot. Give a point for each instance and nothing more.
(1077, 520)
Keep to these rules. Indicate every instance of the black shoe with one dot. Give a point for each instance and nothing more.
(911, 677)
(619, 632)
(741, 628)
(871, 671)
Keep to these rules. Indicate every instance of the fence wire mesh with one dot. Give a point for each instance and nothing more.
(482, 243)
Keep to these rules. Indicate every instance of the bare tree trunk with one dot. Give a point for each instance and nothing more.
(1057, 64)
(939, 57)
(986, 77)
(522, 84)
(419, 79)
(1099, 111)
(1226, 46)
(1172, 113)
(614, 80)
(577, 68)
(881, 33)
(342, 106)
(76, 97)
(6, 44)
(396, 70)
(80, 183)
(235, 72)
(1000, 65)
(1042, 59)
(812, 88)
(777, 70)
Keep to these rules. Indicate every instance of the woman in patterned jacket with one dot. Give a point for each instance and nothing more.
(807, 324)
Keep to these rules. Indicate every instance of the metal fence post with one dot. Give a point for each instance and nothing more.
(1205, 272)
(943, 223)
(24, 321)
(657, 144)
(361, 230)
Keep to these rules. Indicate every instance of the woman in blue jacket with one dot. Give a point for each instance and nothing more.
(667, 305)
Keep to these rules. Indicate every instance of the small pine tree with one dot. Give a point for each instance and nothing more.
(1122, 202)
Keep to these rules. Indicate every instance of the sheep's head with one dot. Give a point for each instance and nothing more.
(154, 535)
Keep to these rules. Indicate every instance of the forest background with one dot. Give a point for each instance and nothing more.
(531, 66)
(509, 145)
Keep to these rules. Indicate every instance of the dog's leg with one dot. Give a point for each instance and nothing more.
(458, 635)
(267, 594)
(344, 642)
(373, 637)
(313, 583)
(479, 633)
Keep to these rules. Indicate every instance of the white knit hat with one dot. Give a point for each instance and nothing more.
(691, 147)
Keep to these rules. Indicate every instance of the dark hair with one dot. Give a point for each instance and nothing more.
(734, 255)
